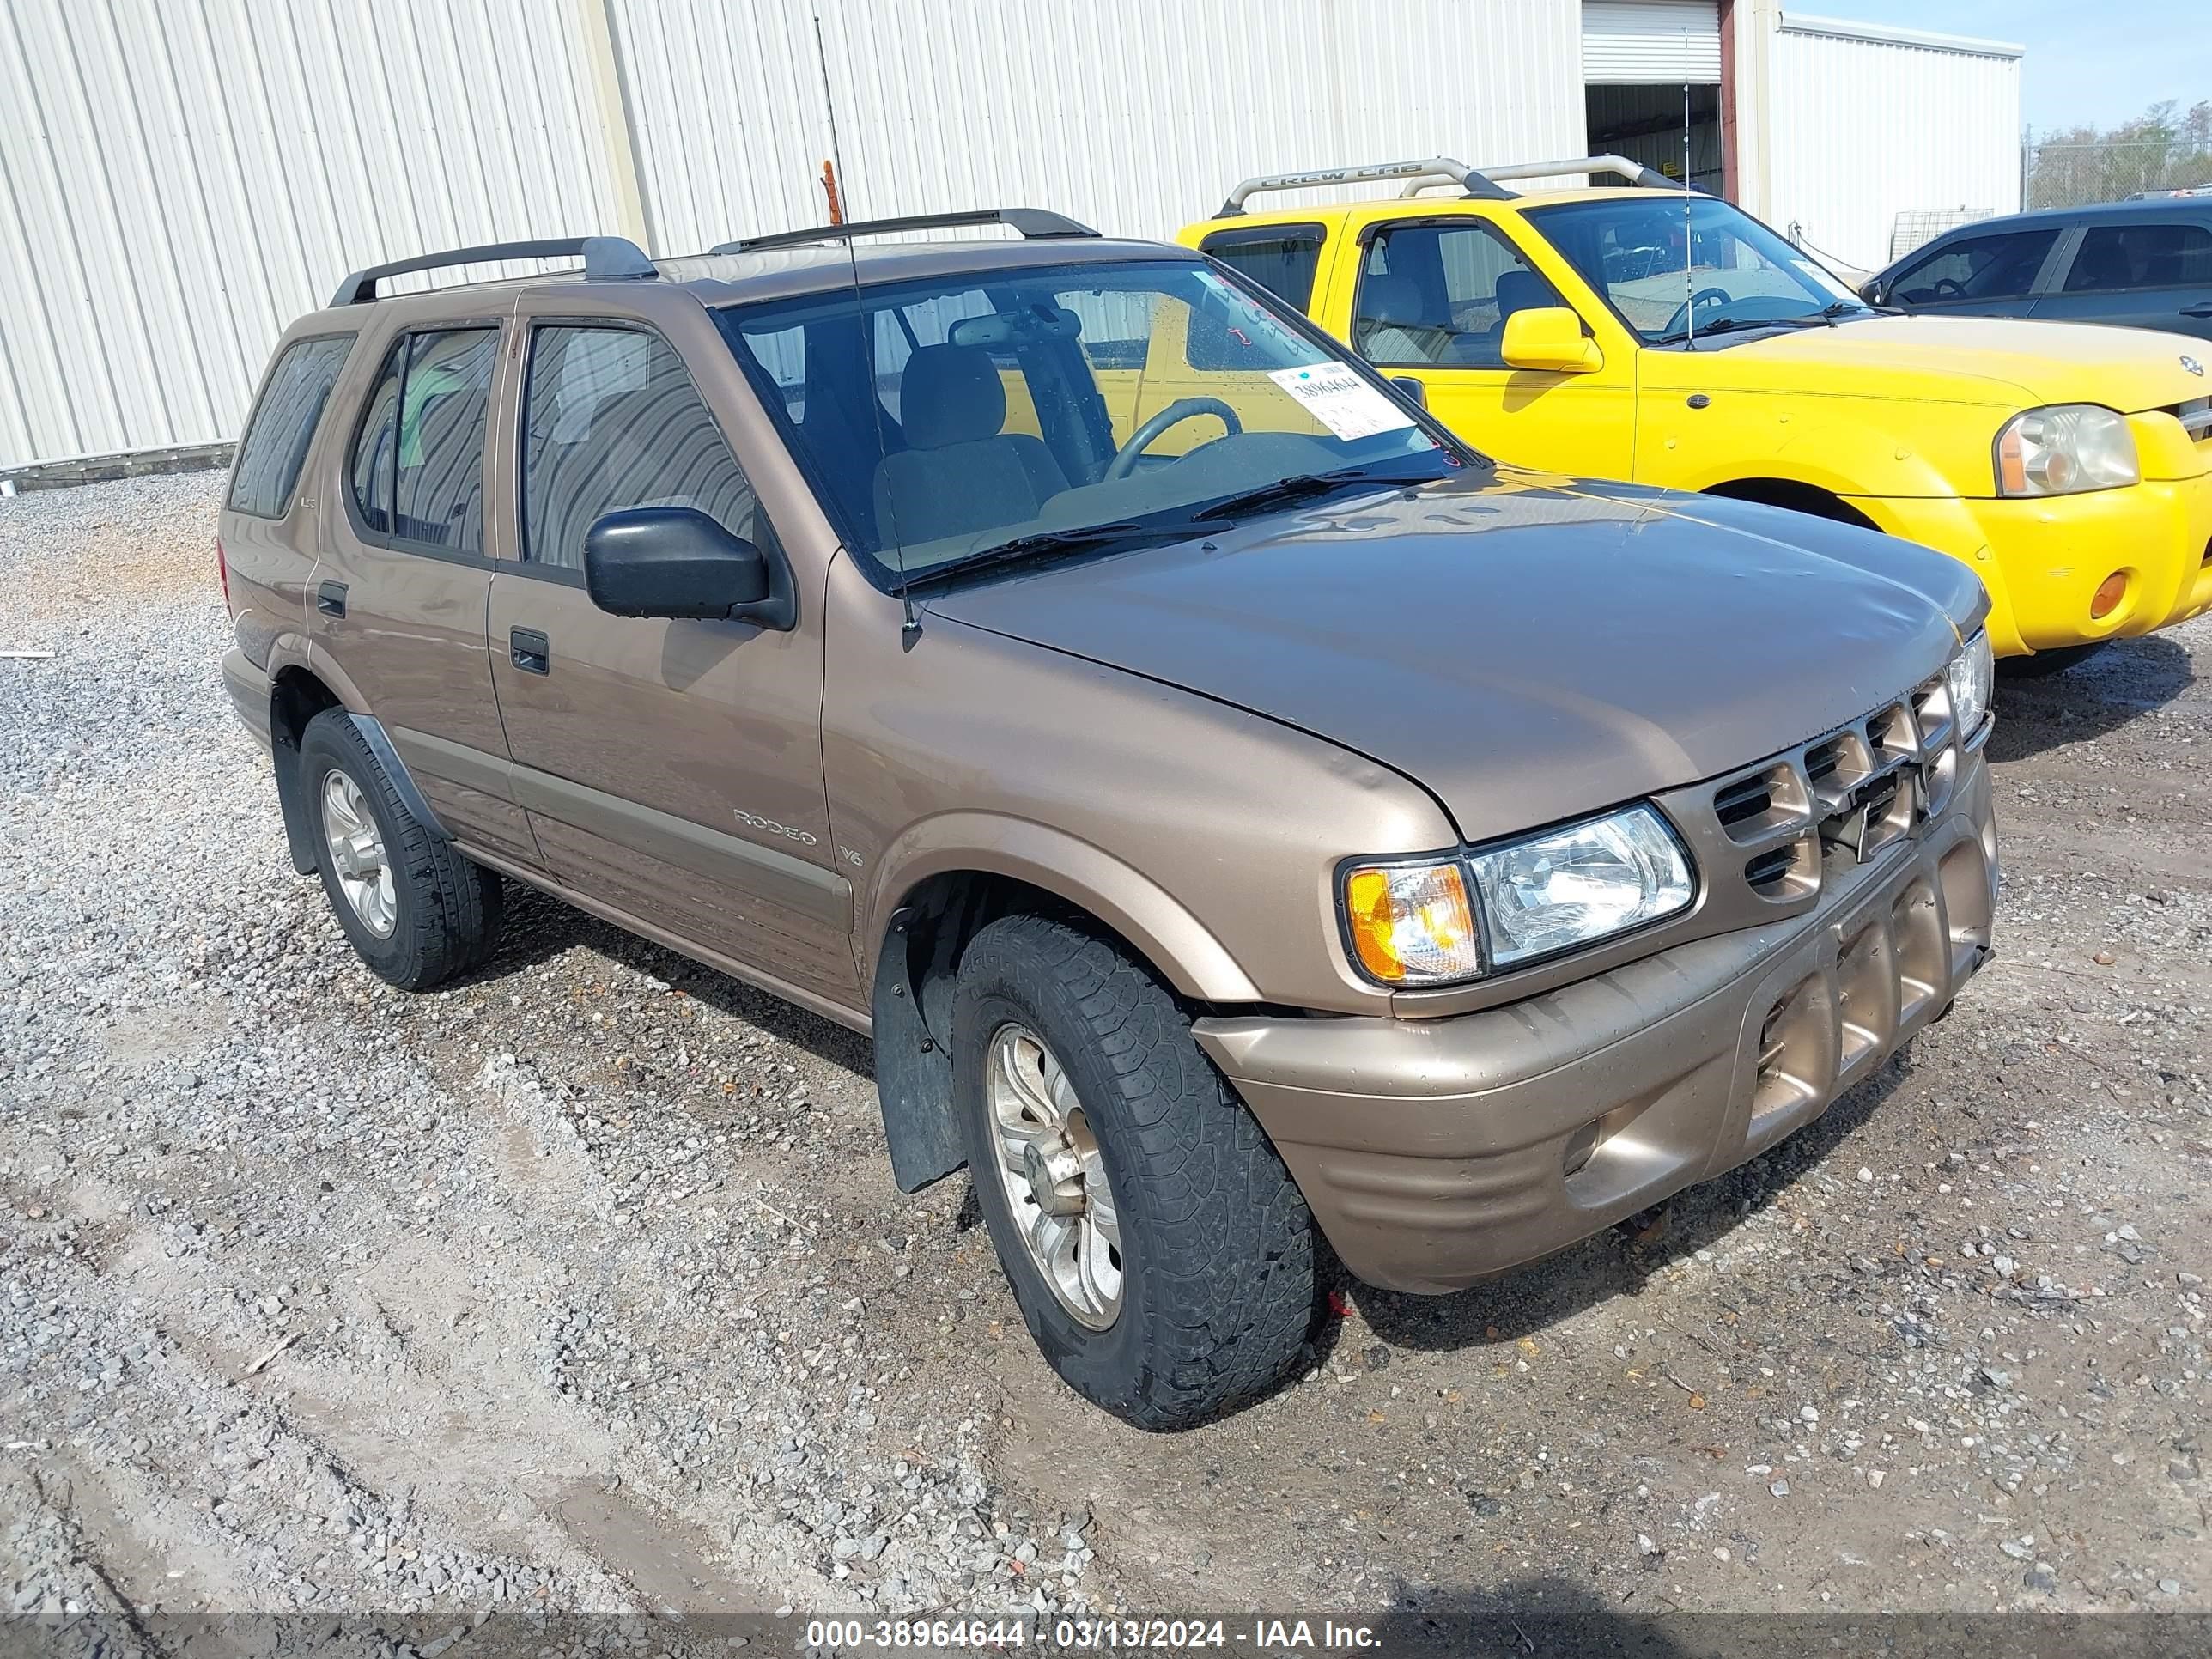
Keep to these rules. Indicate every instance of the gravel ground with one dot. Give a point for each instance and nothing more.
(585, 1286)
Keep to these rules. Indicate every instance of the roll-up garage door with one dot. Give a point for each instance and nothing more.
(1640, 42)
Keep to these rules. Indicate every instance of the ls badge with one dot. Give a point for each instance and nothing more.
(2193, 367)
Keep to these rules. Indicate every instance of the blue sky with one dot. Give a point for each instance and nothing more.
(2097, 64)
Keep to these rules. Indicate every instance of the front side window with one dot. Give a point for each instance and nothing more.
(275, 447)
(1998, 267)
(1282, 258)
(612, 420)
(1671, 265)
(417, 464)
(1440, 295)
(2114, 256)
(1045, 406)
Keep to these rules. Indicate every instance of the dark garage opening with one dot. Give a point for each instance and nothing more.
(1644, 123)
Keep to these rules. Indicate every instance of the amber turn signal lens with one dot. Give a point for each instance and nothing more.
(2108, 598)
(1412, 924)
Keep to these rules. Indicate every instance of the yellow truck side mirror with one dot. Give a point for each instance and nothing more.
(1550, 337)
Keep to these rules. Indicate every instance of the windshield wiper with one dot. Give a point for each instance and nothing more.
(1298, 487)
(1824, 318)
(1047, 543)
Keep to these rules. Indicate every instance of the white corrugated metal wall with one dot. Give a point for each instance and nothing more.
(1870, 122)
(178, 178)
(1136, 117)
(182, 178)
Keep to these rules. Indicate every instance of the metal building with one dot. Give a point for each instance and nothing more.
(180, 177)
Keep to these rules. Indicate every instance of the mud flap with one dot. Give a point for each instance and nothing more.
(913, 1065)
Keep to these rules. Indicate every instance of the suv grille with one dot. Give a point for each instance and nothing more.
(1847, 793)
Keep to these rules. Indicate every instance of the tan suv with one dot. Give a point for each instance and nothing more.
(1241, 814)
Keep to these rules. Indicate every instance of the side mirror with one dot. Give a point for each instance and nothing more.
(1550, 337)
(1412, 387)
(672, 561)
(1872, 292)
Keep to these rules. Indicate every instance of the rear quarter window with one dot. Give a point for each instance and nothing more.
(282, 424)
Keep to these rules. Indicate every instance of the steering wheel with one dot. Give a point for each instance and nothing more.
(1948, 288)
(1182, 409)
(1704, 296)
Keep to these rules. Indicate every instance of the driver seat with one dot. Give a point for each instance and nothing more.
(960, 473)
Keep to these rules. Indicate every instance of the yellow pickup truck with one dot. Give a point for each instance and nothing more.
(1665, 336)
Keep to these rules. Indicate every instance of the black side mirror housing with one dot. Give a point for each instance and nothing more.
(677, 563)
(1412, 387)
(1871, 293)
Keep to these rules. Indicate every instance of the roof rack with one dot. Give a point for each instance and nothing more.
(1031, 222)
(1482, 183)
(1436, 170)
(1635, 172)
(606, 259)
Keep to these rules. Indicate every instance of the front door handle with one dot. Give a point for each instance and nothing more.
(2204, 310)
(330, 598)
(531, 650)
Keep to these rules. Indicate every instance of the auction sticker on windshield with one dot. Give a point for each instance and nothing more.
(1341, 400)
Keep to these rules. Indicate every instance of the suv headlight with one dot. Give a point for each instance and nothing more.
(1419, 924)
(1575, 886)
(1973, 675)
(2065, 449)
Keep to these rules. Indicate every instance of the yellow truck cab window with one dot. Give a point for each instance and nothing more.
(1282, 258)
(1438, 295)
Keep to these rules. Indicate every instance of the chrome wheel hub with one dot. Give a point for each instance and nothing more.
(355, 848)
(1054, 1177)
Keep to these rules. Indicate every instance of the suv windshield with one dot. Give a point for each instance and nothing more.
(1665, 264)
(1022, 411)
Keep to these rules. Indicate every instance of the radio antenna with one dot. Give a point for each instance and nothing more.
(863, 344)
(1689, 286)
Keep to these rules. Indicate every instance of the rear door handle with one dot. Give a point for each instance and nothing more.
(330, 598)
(531, 650)
(2204, 310)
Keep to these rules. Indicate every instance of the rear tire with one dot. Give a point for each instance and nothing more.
(416, 911)
(2044, 664)
(1206, 1293)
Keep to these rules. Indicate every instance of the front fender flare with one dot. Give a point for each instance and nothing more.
(1180, 947)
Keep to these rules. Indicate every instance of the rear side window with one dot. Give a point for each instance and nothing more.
(270, 454)
(1282, 259)
(417, 464)
(612, 420)
(2000, 267)
(1438, 296)
(2142, 256)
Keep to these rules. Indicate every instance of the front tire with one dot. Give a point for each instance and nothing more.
(414, 910)
(1160, 1253)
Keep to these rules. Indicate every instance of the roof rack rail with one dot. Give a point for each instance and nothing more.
(1032, 222)
(606, 259)
(1635, 172)
(1436, 169)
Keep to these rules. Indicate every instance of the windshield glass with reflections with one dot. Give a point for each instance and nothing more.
(1673, 266)
(996, 415)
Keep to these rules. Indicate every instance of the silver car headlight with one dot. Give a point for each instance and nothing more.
(2065, 449)
(1568, 888)
(1973, 675)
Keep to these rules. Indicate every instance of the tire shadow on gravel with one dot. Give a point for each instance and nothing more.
(1622, 1260)
(2125, 681)
(538, 927)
